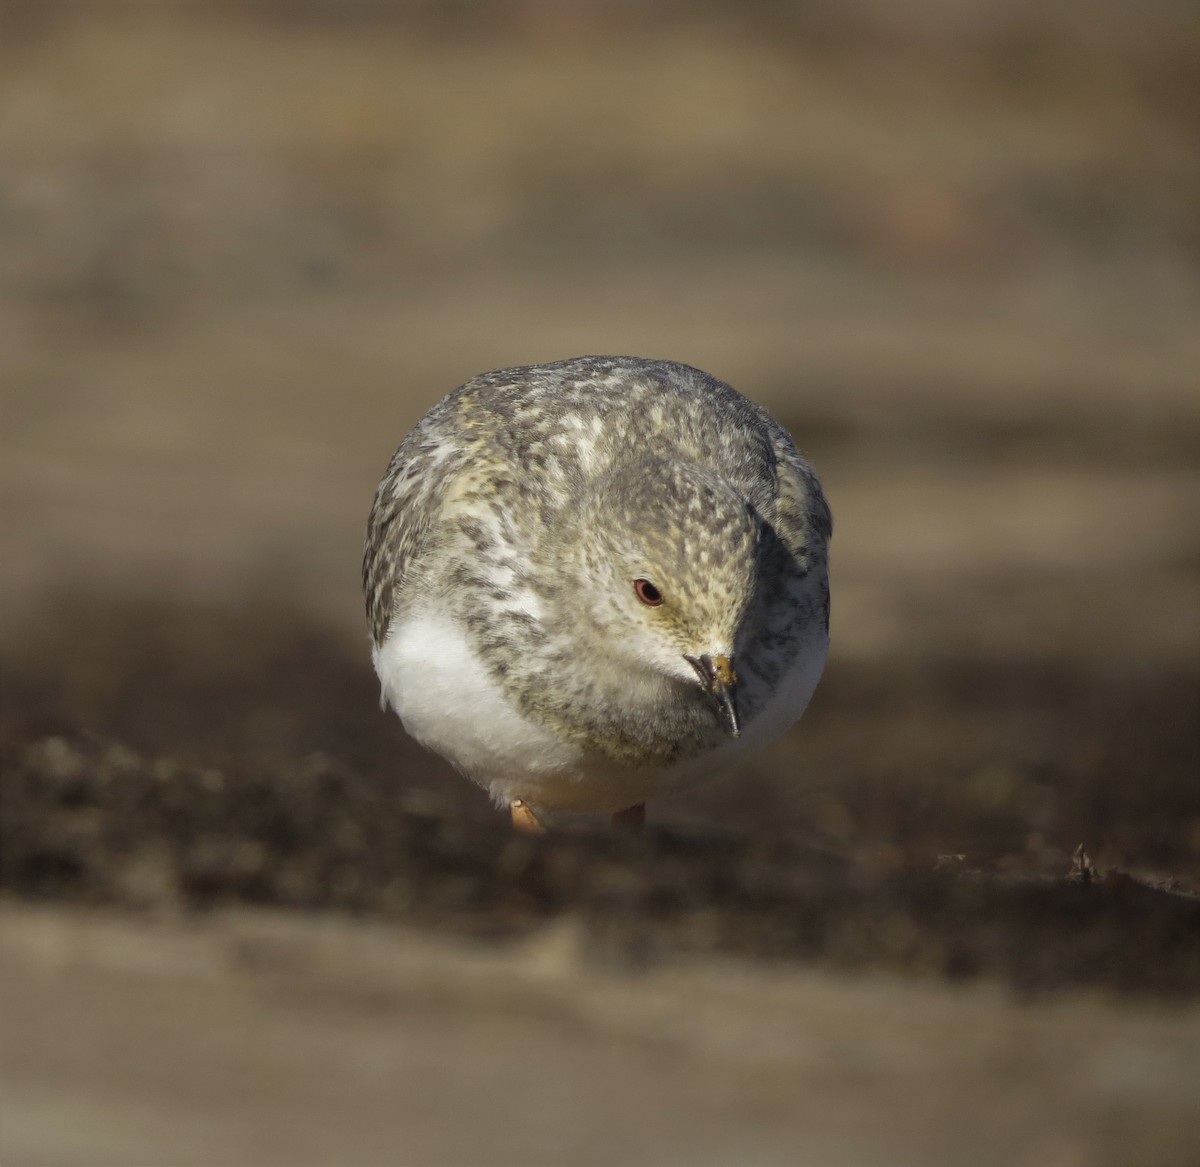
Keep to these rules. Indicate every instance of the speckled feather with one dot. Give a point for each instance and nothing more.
(520, 503)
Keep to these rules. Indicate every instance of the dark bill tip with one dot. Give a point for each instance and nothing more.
(719, 681)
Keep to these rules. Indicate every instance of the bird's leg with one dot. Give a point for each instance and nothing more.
(523, 818)
(632, 818)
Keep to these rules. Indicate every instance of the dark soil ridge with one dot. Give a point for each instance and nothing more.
(160, 756)
(95, 823)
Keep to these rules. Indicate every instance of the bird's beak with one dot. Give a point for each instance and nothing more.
(720, 683)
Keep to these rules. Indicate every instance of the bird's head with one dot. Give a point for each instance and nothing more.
(670, 555)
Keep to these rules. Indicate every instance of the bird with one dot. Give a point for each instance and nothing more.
(595, 580)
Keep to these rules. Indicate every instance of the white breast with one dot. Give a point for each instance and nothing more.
(434, 679)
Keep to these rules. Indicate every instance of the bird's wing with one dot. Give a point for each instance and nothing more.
(802, 521)
(403, 518)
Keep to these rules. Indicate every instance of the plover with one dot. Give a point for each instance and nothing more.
(591, 580)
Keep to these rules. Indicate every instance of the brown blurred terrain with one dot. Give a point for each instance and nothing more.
(955, 247)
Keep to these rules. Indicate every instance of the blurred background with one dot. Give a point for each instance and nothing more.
(953, 244)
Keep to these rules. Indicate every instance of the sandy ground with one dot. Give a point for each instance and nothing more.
(313, 1042)
(245, 921)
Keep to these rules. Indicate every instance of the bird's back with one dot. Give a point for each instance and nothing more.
(534, 436)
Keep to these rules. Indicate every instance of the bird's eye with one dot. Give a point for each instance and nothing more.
(647, 592)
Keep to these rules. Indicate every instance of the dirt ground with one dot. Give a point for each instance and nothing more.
(245, 921)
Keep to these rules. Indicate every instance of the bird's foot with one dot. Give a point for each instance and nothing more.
(523, 818)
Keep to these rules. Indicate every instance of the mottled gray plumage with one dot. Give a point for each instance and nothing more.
(501, 555)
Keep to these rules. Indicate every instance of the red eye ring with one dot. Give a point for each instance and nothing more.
(647, 593)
